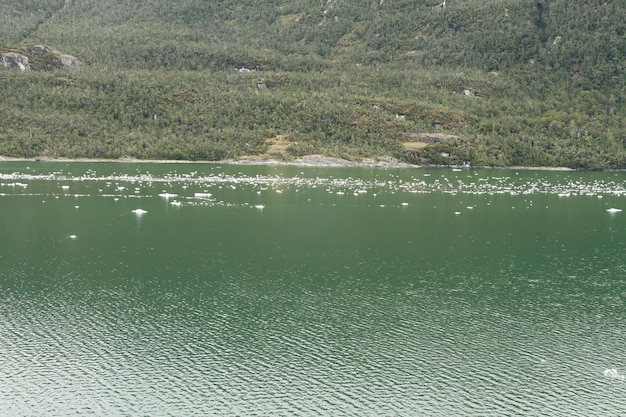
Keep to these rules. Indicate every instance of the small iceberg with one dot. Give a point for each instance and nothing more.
(139, 212)
(614, 373)
(614, 210)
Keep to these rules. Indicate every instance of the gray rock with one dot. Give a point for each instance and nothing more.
(37, 58)
(15, 60)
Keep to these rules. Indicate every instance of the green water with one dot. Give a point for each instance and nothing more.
(310, 291)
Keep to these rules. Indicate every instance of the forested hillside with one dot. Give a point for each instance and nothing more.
(491, 82)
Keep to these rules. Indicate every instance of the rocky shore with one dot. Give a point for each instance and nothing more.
(309, 160)
(305, 161)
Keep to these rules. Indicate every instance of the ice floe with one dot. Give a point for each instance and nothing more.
(614, 373)
(457, 182)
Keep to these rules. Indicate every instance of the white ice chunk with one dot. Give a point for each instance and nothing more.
(614, 373)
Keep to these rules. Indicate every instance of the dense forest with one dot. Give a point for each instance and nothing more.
(491, 82)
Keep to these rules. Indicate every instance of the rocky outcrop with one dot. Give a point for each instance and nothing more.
(15, 60)
(37, 58)
(50, 57)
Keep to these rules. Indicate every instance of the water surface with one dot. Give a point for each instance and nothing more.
(258, 291)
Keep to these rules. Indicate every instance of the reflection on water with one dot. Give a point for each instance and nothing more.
(302, 291)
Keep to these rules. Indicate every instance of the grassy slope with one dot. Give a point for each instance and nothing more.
(502, 82)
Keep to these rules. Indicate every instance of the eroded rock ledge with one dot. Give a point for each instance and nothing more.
(37, 58)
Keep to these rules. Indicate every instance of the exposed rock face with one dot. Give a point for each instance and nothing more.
(37, 58)
(15, 60)
(70, 61)
(52, 57)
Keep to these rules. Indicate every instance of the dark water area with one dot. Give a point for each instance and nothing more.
(204, 289)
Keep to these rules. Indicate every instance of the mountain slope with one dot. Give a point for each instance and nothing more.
(496, 82)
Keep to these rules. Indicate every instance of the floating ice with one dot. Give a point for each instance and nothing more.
(421, 183)
(139, 212)
(614, 210)
(614, 373)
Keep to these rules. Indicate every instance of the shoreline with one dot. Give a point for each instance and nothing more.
(305, 161)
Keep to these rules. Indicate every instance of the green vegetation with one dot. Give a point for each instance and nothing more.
(496, 82)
